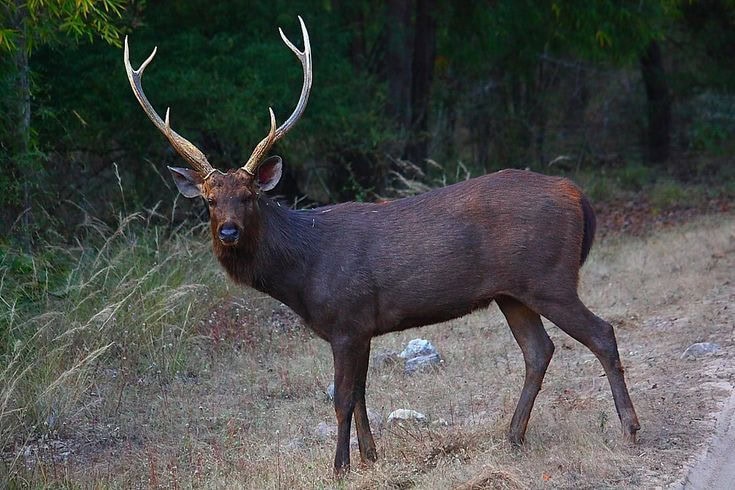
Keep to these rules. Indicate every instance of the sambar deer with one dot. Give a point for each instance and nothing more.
(353, 271)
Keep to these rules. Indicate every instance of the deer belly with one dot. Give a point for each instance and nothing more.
(417, 308)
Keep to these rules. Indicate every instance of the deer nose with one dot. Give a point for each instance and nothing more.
(229, 233)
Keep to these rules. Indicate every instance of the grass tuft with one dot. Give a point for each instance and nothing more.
(121, 301)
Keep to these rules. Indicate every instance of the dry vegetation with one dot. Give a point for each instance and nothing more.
(171, 387)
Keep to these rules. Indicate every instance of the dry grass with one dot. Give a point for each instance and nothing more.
(239, 407)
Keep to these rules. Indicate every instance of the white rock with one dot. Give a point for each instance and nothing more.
(418, 347)
(700, 349)
(405, 415)
(421, 363)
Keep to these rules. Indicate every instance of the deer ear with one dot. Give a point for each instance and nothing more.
(269, 173)
(188, 181)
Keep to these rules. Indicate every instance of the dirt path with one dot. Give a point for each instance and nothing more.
(717, 467)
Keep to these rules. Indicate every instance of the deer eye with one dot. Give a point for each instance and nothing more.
(211, 201)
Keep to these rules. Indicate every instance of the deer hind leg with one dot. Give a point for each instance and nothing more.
(537, 350)
(573, 317)
(350, 359)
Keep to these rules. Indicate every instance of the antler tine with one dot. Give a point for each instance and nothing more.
(262, 148)
(305, 57)
(183, 147)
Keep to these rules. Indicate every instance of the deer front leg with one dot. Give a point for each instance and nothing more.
(350, 359)
(368, 453)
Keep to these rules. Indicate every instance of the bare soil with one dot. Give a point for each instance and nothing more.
(716, 469)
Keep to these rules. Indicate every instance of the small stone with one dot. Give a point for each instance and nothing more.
(330, 391)
(418, 347)
(403, 415)
(421, 363)
(700, 349)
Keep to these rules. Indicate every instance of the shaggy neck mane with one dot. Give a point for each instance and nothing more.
(273, 258)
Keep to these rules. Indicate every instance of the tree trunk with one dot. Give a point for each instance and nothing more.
(352, 18)
(538, 116)
(422, 68)
(659, 104)
(24, 129)
(398, 61)
(22, 147)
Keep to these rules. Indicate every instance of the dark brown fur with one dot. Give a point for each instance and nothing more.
(354, 271)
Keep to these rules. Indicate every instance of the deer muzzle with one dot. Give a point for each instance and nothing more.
(229, 234)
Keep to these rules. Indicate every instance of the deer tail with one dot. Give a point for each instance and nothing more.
(590, 225)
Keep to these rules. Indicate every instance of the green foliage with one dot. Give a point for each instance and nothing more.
(606, 184)
(708, 34)
(516, 33)
(610, 30)
(24, 28)
(713, 122)
(634, 176)
(667, 193)
(27, 279)
(506, 66)
(30, 25)
(706, 136)
(516, 83)
(218, 76)
(354, 188)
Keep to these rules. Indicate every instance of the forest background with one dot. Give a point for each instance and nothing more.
(407, 94)
(107, 284)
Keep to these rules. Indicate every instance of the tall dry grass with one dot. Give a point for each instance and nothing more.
(119, 304)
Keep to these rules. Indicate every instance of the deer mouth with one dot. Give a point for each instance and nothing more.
(228, 242)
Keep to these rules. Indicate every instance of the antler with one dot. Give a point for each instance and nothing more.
(275, 134)
(183, 147)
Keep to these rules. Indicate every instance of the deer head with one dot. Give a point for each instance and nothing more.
(232, 195)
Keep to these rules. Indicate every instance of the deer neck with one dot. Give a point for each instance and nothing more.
(276, 259)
